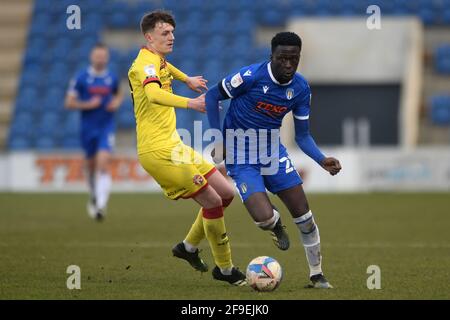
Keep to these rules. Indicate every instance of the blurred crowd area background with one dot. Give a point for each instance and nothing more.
(39, 55)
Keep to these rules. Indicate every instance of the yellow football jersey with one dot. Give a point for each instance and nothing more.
(155, 124)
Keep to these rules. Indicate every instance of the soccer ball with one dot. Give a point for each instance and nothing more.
(264, 274)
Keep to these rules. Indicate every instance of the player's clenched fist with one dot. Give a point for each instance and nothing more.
(332, 165)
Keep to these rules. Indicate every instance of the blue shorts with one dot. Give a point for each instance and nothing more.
(248, 178)
(93, 142)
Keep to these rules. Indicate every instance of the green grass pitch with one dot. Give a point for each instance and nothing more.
(128, 256)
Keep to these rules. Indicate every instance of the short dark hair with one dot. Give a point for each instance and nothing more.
(286, 39)
(100, 45)
(149, 20)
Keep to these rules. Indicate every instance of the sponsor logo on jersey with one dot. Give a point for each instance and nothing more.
(289, 93)
(248, 73)
(243, 187)
(265, 89)
(99, 90)
(270, 109)
(198, 179)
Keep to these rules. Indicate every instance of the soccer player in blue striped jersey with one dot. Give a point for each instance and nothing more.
(95, 92)
(261, 95)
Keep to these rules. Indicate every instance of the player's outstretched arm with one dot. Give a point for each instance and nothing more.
(196, 83)
(161, 97)
(306, 142)
(197, 104)
(213, 96)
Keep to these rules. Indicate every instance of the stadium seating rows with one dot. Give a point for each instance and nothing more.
(53, 54)
(440, 109)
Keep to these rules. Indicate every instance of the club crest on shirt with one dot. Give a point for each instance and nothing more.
(289, 93)
(198, 179)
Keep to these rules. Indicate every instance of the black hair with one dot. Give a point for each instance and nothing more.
(100, 45)
(286, 39)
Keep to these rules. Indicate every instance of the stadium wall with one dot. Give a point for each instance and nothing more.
(380, 169)
(345, 53)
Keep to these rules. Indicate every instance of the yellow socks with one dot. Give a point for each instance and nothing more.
(214, 227)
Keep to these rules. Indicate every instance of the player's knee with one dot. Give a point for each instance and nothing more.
(227, 201)
(215, 201)
(228, 193)
(227, 197)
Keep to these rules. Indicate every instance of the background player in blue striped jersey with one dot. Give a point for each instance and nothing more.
(95, 91)
(262, 94)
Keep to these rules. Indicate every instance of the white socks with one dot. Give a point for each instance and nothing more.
(91, 181)
(189, 247)
(270, 223)
(309, 233)
(102, 189)
(226, 271)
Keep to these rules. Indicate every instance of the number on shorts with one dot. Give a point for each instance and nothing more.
(289, 166)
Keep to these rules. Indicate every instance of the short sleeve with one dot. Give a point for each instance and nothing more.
(75, 85)
(238, 83)
(302, 107)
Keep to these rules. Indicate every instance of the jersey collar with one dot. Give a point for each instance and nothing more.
(91, 71)
(273, 78)
(163, 59)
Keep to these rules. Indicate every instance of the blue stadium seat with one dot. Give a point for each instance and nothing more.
(125, 114)
(212, 70)
(45, 143)
(427, 16)
(237, 7)
(39, 25)
(17, 143)
(28, 97)
(24, 118)
(442, 59)
(446, 16)
(125, 120)
(41, 6)
(20, 129)
(70, 143)
(48, 125)
(261, 53)
(71, 128)
(272, 18)
(142, 7)
(440, 110)
(222, 29)
(118, 20)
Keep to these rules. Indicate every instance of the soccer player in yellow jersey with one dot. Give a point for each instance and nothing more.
(180, 171)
